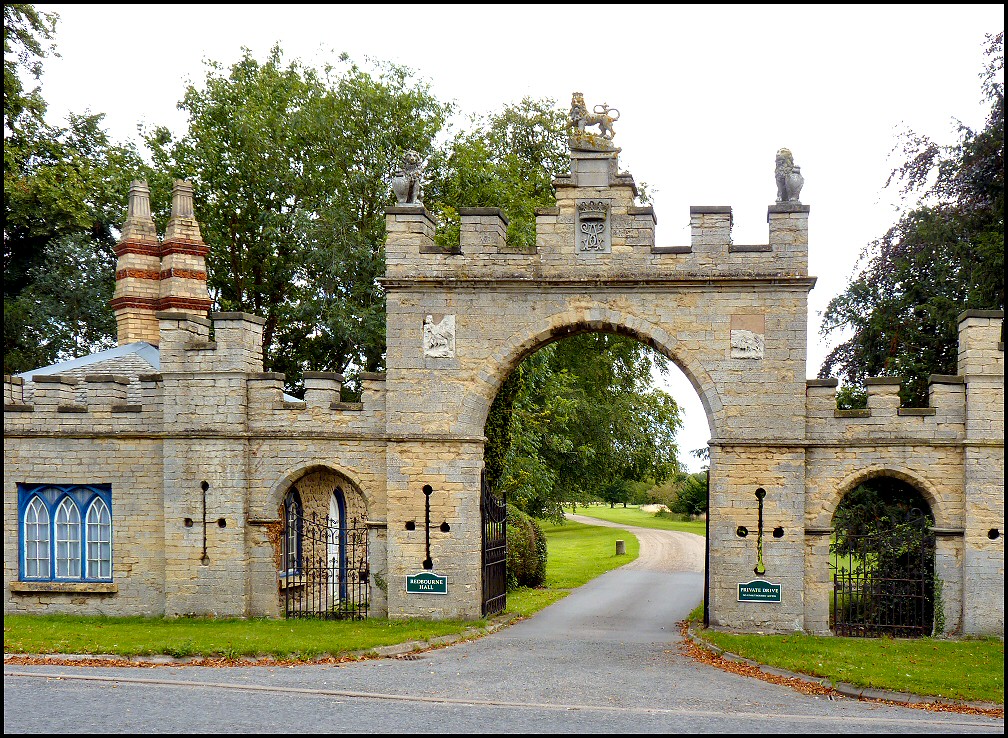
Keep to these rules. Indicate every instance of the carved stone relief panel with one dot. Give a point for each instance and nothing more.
(592, 227)
(747, 336)
(439, 338)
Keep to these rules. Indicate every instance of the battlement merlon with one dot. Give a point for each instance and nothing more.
(186, 345)
(13, 390)
(981, 343)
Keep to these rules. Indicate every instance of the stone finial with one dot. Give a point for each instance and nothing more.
(788, 176)
(182, 199)
(580, 119)
(183, 220)
(407, 184)
(139, 200)
(139, 225)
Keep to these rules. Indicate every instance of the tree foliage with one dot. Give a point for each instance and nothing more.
(290, 169)
(65, 193)
(691, 494)
(506, 160)
(944, 255)
(585, 421)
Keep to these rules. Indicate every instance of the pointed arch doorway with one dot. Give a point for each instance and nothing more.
(325, 570)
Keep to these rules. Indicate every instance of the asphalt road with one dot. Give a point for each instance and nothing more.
(604, 659)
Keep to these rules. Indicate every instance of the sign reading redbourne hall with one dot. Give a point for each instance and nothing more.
(427, 582)
(108, 459)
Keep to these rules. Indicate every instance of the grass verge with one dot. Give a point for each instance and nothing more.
(228, 638)
(636, 516)
(968, 669)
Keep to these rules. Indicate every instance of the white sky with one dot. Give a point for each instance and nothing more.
(707, 93)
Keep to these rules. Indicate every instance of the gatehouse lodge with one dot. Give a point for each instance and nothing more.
(171, 475)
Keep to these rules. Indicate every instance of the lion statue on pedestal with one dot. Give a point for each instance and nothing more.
(602, 117)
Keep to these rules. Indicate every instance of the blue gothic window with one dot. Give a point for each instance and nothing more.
(293, 514)
(65, 532)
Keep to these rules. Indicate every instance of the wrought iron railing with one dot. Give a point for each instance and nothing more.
(327, 576)
(494, 515)
(883, 580)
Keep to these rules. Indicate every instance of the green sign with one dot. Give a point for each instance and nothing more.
(427, 583)
(758, 590)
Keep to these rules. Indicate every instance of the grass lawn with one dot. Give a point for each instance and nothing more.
(636, 516)
(230, 638)
(966, 670)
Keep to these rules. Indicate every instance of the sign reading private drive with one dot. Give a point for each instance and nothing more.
(426, 583)
(759, 590)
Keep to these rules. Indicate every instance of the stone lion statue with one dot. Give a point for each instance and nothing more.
(788, 176)
(406, 182)
(602, 116)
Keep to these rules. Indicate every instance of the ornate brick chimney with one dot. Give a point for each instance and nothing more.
(153, 276)
(183, 258)
(138, 271)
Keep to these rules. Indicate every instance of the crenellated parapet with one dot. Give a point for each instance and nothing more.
(596, 230)
(968, 406)
(187, 346)
(98, 404)
(321, 410)
(884, 418)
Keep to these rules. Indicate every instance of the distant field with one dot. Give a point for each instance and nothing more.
(636, 516)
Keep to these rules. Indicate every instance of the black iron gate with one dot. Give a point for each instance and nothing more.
(883, 579)
(325, 567)
(494, 515)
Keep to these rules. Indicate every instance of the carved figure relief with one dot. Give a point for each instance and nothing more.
(580, 119)
(439, 338)
(593, 226)
(746, 344)
(407, 183)
(788, 176)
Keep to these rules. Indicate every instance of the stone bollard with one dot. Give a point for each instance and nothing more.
(620, 548)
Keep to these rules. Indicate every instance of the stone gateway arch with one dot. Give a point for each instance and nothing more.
(733, 317)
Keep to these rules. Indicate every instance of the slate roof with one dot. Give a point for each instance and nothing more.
(130, 360)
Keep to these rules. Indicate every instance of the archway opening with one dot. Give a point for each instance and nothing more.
(584, 421)
(882, 561)
(323, 555)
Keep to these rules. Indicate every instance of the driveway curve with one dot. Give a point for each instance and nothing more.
(660, 550)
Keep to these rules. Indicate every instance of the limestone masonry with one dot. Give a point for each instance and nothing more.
(184, 400)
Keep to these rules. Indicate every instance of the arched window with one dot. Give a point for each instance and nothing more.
(68, 540)
(293, 514)
(55, 541)
(98, 533)
(36, 540)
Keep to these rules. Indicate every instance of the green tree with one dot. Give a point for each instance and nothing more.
(586, 422)
(506, 160)
(944, 255)
(691, 494)
(65, 192)
(290, 169)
